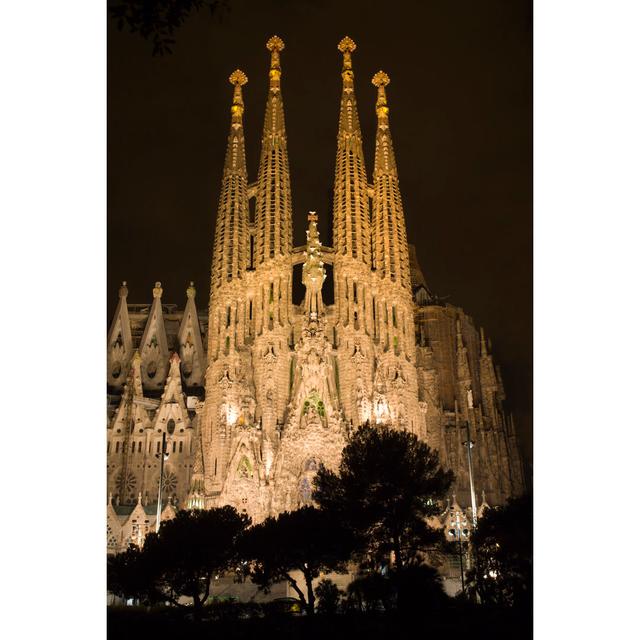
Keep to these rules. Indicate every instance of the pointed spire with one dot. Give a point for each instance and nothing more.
(351, 219)
(391, 251)
(119, 341)
(230, 248)
(154, 349)
(483, 344)
(190, 342)
(273, 195)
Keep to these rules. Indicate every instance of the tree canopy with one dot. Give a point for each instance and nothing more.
(503, 544)
(307, 540)
(387, 486)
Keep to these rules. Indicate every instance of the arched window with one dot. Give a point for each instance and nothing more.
(174, 446)
(140, 446)
(171, 426)
(180, 446)
(133, 447)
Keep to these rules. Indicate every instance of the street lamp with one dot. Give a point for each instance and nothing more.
(458, 531)
(163, 455)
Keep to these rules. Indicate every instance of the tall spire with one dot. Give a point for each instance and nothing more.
(273, 196)
(230, 249)
(391, 251)
(351, 219)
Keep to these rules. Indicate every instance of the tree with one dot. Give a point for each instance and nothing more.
(131, 575)
(190, 549)
(158, 20)
(503, 544)
(328, 596)
(387, 486)
(307, 540)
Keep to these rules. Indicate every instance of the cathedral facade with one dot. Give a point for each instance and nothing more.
(252, 396)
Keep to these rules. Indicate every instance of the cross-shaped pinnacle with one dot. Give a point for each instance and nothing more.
(380, 79)
(275, 43)
(238, 78)
(346, 45)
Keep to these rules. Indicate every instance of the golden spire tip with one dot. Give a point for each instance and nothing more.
(380, 79)
(238, 78)
(346, 44)
(275, 43)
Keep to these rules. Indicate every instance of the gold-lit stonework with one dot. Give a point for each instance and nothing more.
(254, 393)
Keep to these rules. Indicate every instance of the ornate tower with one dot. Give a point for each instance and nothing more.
(354, 314)
(228, 382)
(270, 311)
(396, 384)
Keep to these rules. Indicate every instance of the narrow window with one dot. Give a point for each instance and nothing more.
(393, 314)
(108, 447)
(140, 446)
(174, 446)
(117, 446)
(228, 316)
(157, 447)
(180, 446)
(355, 292)
(215, 467)
(133, 447)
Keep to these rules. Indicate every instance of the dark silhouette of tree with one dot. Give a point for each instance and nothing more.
(387, 486)
(503, 546)
(190, 549)
(130, 574)
(158, 20)
(328, 596)
(307, 540)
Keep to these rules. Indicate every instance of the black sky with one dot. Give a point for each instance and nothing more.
(461, 120)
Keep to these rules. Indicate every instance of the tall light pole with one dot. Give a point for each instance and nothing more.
(458, 533)
(468, 445)
(163, 455)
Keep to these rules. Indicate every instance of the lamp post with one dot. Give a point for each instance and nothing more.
(163, 455)
(458, 533)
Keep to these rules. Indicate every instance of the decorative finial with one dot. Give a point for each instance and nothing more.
(312, 217)
(157, 290)
(275, 45)
(346, 45)
(123, 290)
(238, 78)
(381, 80)
(140, 497)
(191, 290)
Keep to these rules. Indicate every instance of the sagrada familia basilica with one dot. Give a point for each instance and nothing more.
(252, 396)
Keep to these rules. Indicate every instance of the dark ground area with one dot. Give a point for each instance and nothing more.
(457, 621)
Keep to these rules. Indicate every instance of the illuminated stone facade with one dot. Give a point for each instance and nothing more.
(256, 394)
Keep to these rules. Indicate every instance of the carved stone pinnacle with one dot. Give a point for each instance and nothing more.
(275, 43)
(238, 78)
(380, 79)
(346, 44)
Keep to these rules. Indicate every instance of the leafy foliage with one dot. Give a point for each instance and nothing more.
(503, 544)
(181, 559)
(191, 548)
(158, 20)
(388, 484)
(307, 540)
(328, 596)
(130, 574)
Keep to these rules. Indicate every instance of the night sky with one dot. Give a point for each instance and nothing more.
(461, 119)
